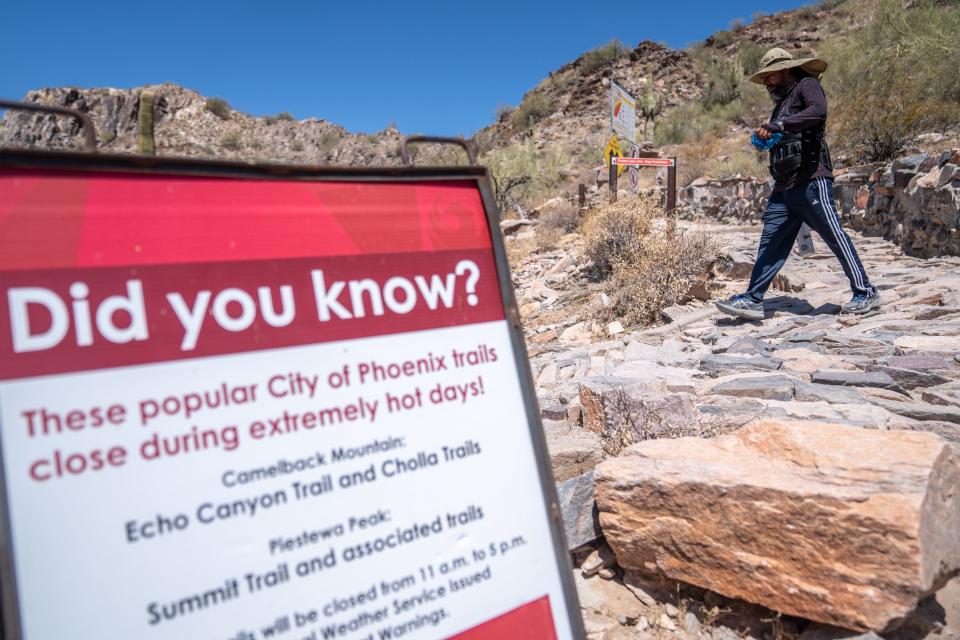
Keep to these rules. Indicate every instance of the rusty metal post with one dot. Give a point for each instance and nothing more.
(89, 133)
(582, 194)
(613, 179)
(672, 186)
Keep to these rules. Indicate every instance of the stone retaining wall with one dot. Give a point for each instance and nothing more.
(914, 201)
(728, 199)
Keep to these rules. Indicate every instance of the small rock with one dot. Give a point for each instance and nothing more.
(554, 412)
(691, 624)
(664, 622)
(636, 588)
(749, 345)
(598, 559)
(615, 328)
(876, 379)
(717, 364)
(606, 574)
(773, 387)
(921, 410)
(939, 398)
(671, 610)
(911, 379)
(936, 344)
(510, 227)
(577, 333)
(810, 392)
(573, 453)
(578, 508)
(543, 336)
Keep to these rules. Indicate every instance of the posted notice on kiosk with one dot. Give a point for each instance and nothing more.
(249, 409)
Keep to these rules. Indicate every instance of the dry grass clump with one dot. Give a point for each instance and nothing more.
(565, 217)
(647, 262)
(615, 234)
(555, 224)
(548, 238)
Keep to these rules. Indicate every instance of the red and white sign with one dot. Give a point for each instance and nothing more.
(242, 409)
(645, 162)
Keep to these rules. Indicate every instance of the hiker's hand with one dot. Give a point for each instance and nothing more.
(762, 133)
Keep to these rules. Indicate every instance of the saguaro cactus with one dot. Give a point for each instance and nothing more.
(651, 105)
(145, 123)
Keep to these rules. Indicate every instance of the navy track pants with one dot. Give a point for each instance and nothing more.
(811, 202)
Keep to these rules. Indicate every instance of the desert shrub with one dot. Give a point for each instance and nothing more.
(283, 115)
(565, 218)
(615, 234)
(723, 39)
(536, 106)
(328, 140)
(694, 158)
(601, 56)
(722, 80)
(218, 107)
(548, 237)
(891, 80)
(647, 263)
(745, 161)
(749, 56)
(522, 175)
(755, 103)
(670, 263)
(675, 126)
(694, 121)
(296, 145)
(231, 141)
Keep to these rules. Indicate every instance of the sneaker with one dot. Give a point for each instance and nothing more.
(741, 306)
(862, 303)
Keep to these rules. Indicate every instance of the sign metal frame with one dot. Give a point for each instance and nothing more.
(69, 162)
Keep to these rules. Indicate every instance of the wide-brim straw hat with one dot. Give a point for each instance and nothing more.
(777, 59)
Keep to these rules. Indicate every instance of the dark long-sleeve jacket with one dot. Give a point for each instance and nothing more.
(803, 108)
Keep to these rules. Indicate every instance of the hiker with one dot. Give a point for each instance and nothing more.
(803, 183)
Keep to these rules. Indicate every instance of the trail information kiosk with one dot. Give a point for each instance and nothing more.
(247, 402)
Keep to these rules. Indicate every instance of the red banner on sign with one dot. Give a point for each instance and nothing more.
(532, 621)
(644, 162)
(55, 320)
(95, 220)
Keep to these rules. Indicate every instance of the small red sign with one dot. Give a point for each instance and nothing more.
(645, 162)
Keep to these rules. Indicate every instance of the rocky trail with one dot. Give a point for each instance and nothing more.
(706, 375)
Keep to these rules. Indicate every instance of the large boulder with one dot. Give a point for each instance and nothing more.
(842, 525)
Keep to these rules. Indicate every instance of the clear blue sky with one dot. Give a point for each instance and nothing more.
(431, 67)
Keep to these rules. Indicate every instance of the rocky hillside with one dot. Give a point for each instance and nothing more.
(572, 102)
(567, 109)
(189, 124)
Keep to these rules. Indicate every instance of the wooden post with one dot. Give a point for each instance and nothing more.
(582, 193)
(613, 179)
(672, 186)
